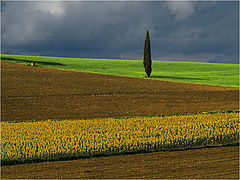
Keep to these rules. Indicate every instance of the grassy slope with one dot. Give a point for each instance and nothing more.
(202, 73)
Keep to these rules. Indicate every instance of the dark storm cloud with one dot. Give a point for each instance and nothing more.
(188, 31)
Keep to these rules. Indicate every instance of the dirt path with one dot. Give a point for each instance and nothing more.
(220, 162)
(31, 93)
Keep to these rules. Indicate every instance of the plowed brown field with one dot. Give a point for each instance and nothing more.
(220, 162)
(32, 93)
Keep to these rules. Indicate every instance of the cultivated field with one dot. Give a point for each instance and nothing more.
(31, 141)
(37, 94)
(31, 93)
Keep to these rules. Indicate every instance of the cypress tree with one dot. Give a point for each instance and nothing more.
(147, 61)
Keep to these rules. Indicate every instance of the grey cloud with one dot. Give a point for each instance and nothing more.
(180, 30)
(181, 9)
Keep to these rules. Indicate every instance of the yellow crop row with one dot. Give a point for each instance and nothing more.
(30, 140)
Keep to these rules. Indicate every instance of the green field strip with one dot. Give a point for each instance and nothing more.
(188, 72)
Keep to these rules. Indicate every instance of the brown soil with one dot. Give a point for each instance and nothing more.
(220, 162)
(32, 93)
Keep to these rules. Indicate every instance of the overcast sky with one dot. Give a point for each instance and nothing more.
(181, 31)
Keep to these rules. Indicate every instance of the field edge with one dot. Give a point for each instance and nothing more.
(10, 162)
(128, 117)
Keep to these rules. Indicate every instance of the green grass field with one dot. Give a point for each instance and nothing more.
(201, 73)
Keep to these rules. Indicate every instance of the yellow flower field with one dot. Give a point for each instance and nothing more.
(48, 139)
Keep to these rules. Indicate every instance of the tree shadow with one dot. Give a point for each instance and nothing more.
(172, 77)
(31, 61)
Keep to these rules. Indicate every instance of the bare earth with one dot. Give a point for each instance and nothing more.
(32, 93)
(220, 162)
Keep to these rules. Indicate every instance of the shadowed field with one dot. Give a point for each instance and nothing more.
(206, 163)
(33, 93)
